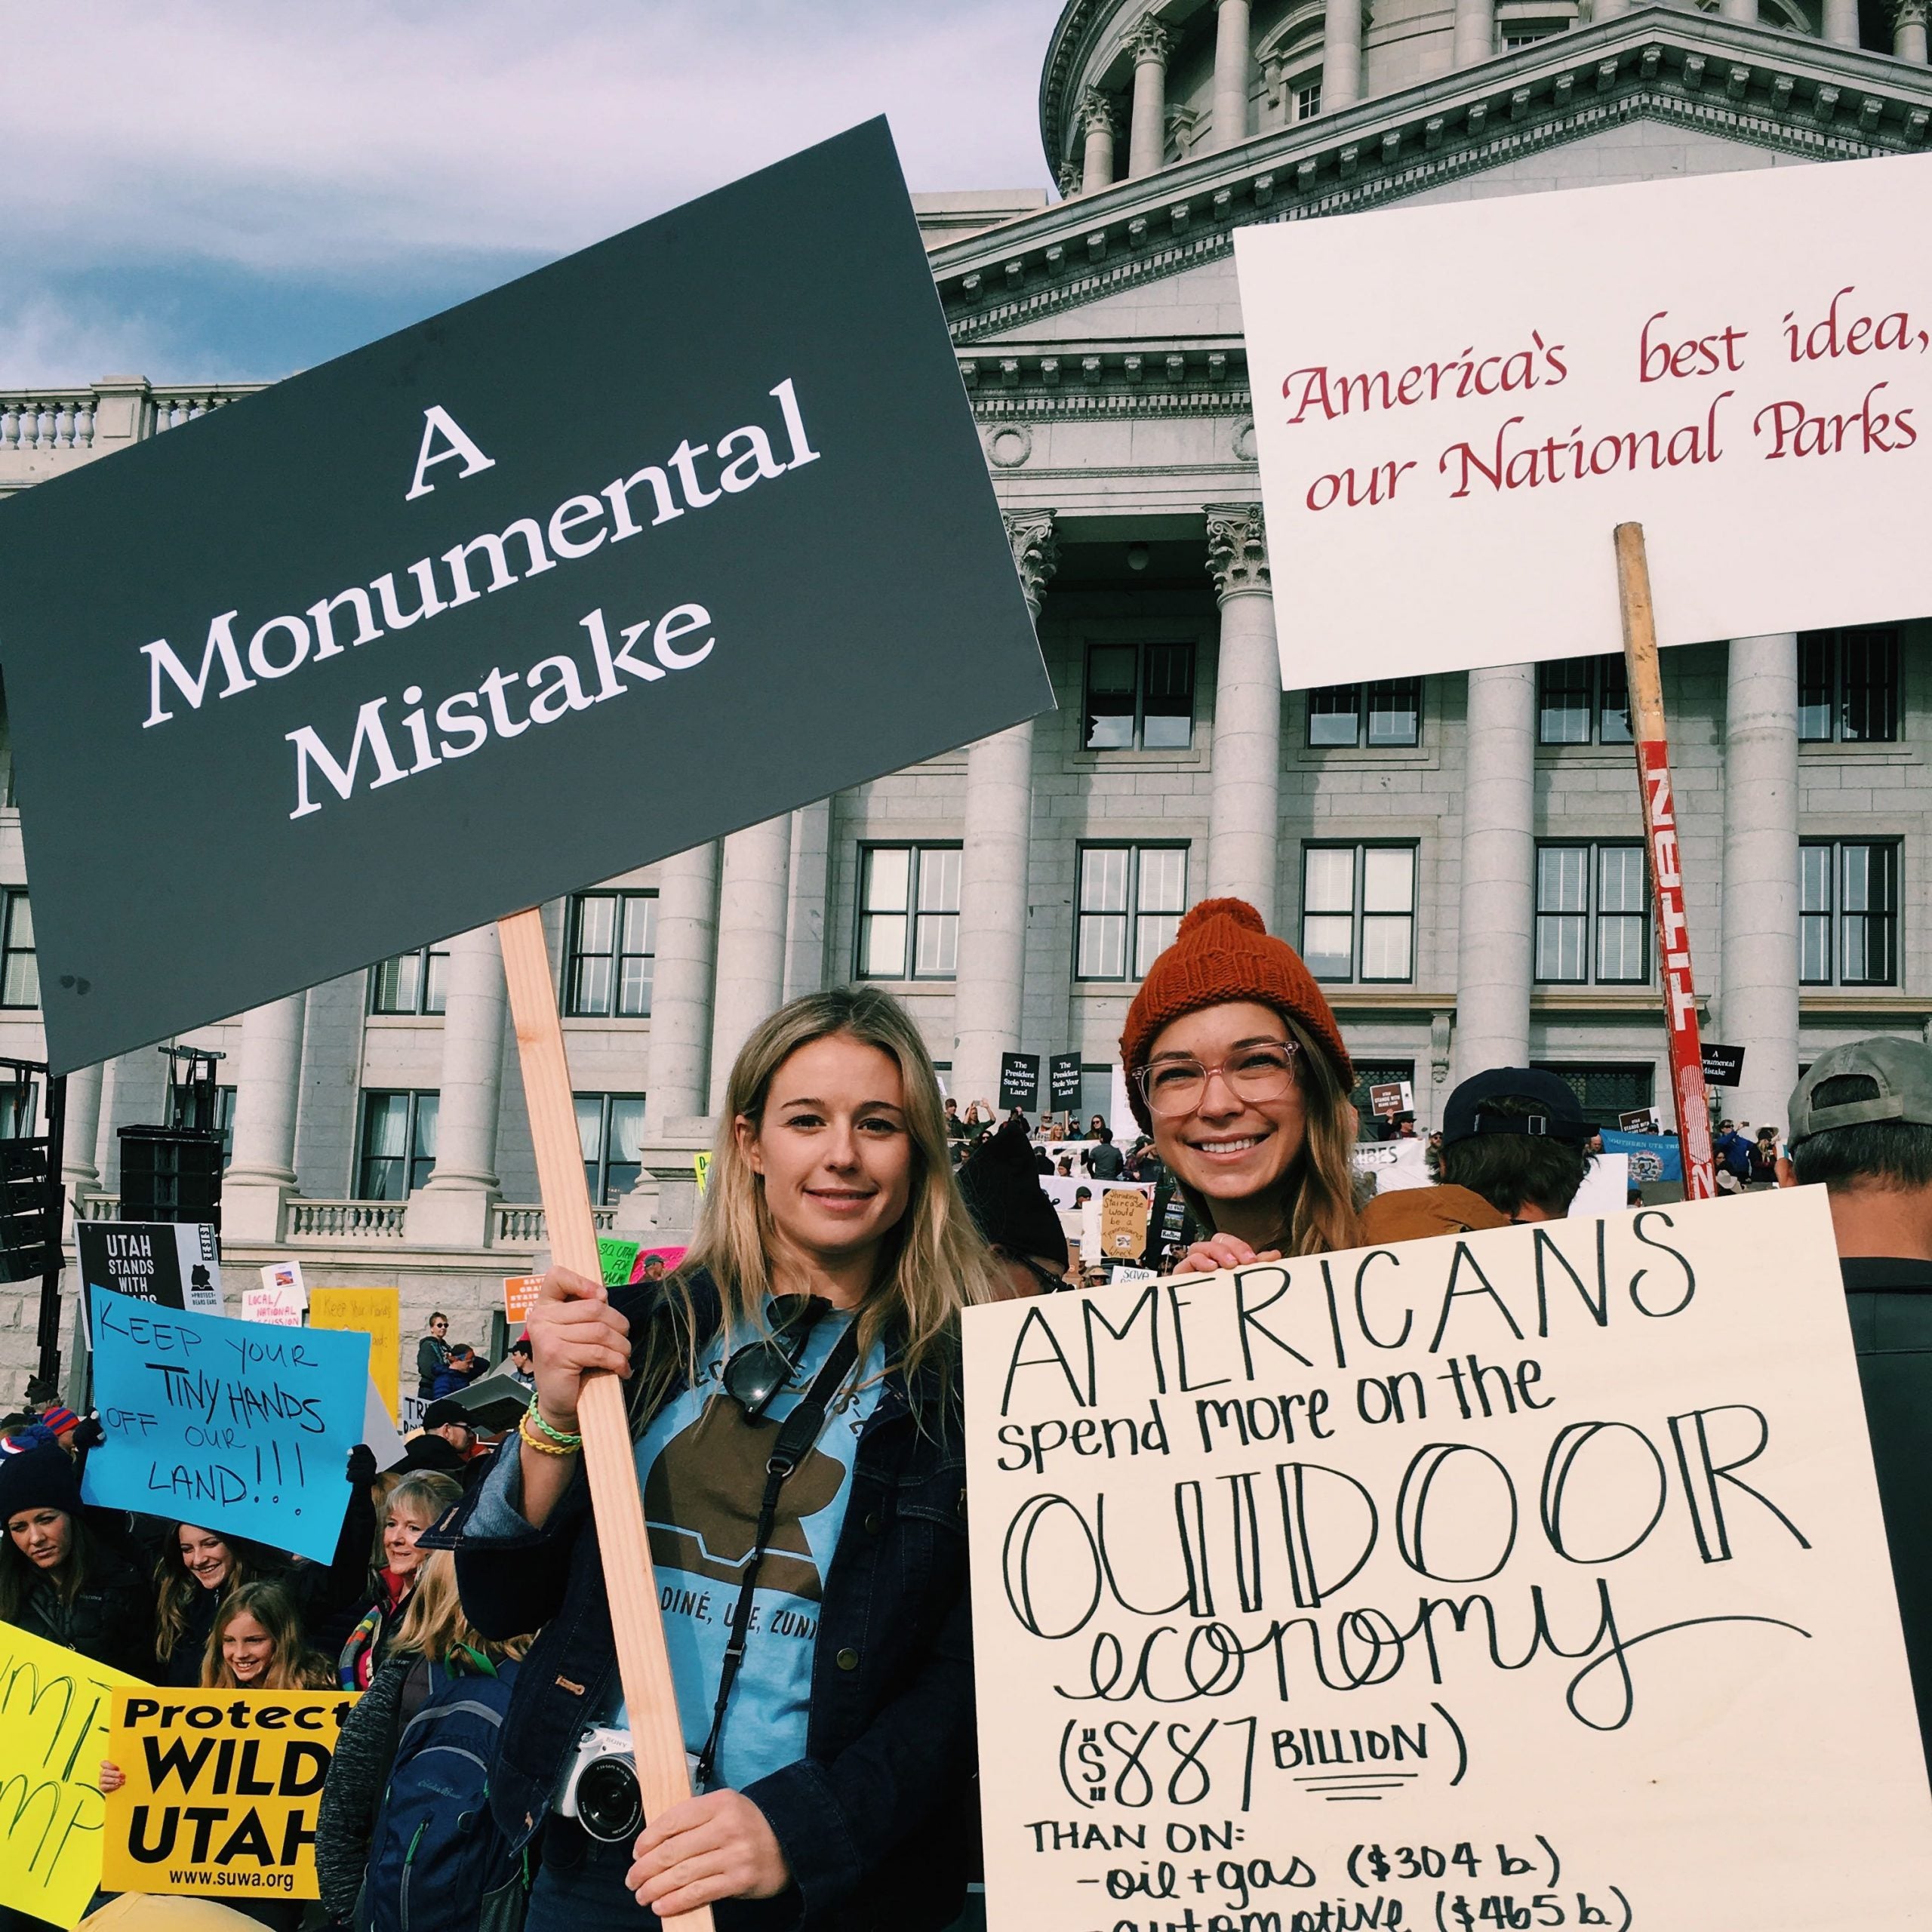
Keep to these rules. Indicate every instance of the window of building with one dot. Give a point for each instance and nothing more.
(1131, 899)
(612, 947)
(1527, 33)
(20, 965)
(1847, 913)
(1582, 701)
(1606, 1092)
(1359, 911)
(398, 1146)
(410, 982)
(19, 1108)
(1591, 908)
(909, 912)
(1848, 686)
(609, 1127)
(1385, 714)
(1308, 98)
(1139, 697)
(1096, 1094)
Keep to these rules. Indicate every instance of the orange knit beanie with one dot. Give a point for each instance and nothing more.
(1223, 951)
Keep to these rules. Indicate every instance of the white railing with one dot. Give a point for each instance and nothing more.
(345, 1220)
(46, 418)
(515, 1226)
(172, 407)
(101, 1207)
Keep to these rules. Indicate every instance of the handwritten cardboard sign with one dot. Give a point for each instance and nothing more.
(425, 598)
(1539, 1573)
(210, 1419)
(1124, 1212)
(176, 1264)
(1741, 362)
(375, 1313)
(54, 1706)
(222, 1791)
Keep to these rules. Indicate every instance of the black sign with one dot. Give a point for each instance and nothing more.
(173, 1264)
(1063, 1082)
(647, 546)
(1019, 1080)
(1724, 1066)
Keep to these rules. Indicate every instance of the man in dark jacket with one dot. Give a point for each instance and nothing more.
(1861, 1123)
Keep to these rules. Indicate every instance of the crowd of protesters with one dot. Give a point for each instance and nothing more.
(809, 1337)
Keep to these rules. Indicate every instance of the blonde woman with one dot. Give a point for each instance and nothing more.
(1235, 1065)
(413, 1505)
(804, 1359)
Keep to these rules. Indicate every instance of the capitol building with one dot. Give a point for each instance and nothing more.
(1458, 858)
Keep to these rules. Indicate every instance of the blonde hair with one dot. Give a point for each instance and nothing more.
(177, 1592)
(434, 1625)
(293, 1665)
(932, 1264)
(1319, 1214)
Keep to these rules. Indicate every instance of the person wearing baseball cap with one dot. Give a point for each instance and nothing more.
(1861, 1126)
(1236, 1067)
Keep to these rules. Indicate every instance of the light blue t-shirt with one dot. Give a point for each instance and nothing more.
(701, 1467)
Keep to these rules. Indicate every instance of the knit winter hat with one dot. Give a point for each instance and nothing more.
(1223, 951)
(1002, 1186)
(36, 1473)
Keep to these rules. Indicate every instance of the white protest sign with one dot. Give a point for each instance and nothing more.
(1536, 1577)
(1606, 1187)
(1396, 1164)
(280, 1308)
(1738, 361)
(379, 1433)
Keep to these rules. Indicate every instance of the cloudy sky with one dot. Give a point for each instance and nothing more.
(233, 189)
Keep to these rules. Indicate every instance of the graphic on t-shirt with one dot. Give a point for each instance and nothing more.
(701, 1499)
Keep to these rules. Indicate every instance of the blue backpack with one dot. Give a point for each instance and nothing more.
(438, 1862)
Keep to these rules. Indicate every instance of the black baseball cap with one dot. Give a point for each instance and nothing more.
(1555, 1115)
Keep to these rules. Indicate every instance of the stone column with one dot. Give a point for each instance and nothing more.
(987, 993)
(261, 1176)
(452, 1208)
(1149, 43)
(81, 1129)
(751, 940)
(1909, 33)
(1341, 55)
(1232, 57)
(1243, 817)
(1757, 1007)
(811, 881)
(1498, 897)
(1475, 32)
(676, 1081)
(1841, 23)
(1097, 156)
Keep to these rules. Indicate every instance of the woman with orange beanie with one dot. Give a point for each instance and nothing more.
(1236, 1067)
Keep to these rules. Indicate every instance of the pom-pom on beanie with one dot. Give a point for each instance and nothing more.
(1224, 951)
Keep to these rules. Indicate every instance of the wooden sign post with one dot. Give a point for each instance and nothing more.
(1660, 838)
(650, 1699)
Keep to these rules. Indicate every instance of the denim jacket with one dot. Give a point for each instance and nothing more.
(876, 1821)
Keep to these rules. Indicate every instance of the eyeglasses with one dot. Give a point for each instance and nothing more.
(1264, 1071)
(754, 1373)
(1051, 1283)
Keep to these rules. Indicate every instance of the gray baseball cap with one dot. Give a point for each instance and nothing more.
(1901, 1070)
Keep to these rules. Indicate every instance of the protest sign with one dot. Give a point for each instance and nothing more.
(1019, 1080)
(375, 1313)
(1724, 1066)
(379, 1431)
(1739, 361)
(1606, 1187)
(1063, 1082)
(54, 1708)
(207, 1416)
(1124, 1212)
(1533, 1577)
(457, 606)
(520, 1293)
(222, 1791)
(1395, 1163)
(279, 1308)
(701, 1170)
(1653, 1157)
(617, 1259)
(286, 1276)
(175, 1264)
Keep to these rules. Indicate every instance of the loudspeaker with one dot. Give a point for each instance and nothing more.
(171, 1174)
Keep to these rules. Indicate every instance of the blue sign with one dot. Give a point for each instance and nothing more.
(233, 1426)
(1652, 1156)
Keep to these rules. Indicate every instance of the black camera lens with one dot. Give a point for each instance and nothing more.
(610, 1806)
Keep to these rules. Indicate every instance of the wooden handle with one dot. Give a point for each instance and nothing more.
(630, 1586)
(1640, 633)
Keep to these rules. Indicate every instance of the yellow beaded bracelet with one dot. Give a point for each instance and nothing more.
(542, 1447)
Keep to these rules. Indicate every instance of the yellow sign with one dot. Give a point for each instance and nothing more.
(377, 1313)
(54, 1705)
(222, 1792)
(701, 1167)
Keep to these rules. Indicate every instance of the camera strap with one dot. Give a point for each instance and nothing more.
(798, 1434)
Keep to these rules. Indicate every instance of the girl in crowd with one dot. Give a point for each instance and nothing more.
(1235, 1065)
(198, 1568)
(60, 1578)
(257, 1645)
(435, 1643)
(806, 1352)
(413, 1504)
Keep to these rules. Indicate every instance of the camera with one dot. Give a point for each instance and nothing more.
(601, 1791)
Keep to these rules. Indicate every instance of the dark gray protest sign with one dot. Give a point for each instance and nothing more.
(679, 532)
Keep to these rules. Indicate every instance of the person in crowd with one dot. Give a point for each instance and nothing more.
(979, 1118)
(1063, 1168)
(198, 1568)
(1764, 1159)
(258, 1644)
(833, 1257)
(1103, 1160)
(455, 1375)
(1012, 1210)
(1095, 1123)
(653, 1269)
(1235, 1065)
(1017, 1117)
(413, 1504)
(1081, 1195)
(1861, 1126)
(448, 1444)
(1732, 1151)
(519, 1363)
(1043, 1161)
(1405, 1126)
(1512, 1151)
(432, 1354)
(955, 1128)
(435, 1645)
(61, 1576)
